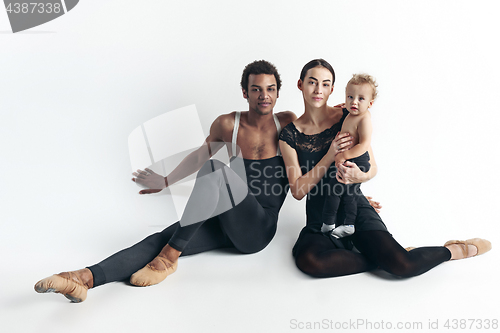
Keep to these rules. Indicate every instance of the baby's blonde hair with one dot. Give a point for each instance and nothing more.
(365, 78)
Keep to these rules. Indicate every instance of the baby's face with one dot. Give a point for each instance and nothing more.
(358, 98)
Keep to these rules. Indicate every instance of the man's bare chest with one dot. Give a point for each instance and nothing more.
(258, 144)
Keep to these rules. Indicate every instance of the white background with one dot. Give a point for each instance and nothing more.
(73, 89)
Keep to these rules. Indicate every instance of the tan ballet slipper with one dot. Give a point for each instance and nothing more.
(409, 248)
(149, 276)
(482, 246)
(67, 283)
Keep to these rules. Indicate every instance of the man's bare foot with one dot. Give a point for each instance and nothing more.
(73, 285)
(469, 248)
(158, 269)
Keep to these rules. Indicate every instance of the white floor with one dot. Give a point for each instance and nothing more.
(72, 90)
(222, 291)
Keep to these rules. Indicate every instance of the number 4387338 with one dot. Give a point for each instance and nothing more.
(34, 7)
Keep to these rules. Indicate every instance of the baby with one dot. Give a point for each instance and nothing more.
(360, 93)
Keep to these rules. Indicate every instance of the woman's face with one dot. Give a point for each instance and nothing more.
(316, 87)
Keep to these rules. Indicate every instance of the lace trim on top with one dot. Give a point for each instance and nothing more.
(309, 143)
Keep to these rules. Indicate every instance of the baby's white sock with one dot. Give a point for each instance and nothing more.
(343, 230)
(327, 227)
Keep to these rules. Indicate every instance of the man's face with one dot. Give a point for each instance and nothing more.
(262, 93)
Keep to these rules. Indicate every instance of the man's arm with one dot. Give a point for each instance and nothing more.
(190, 164)
(194, 161)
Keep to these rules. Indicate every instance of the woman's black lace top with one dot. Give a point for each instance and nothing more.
(311, 148)
(309, 143)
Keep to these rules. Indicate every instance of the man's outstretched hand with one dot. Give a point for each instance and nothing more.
(376, 205)
(149, 179)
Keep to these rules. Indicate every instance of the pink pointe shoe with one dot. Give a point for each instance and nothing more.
(149, 275)
(68, 283)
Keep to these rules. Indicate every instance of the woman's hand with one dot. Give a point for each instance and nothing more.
(341, 105)
(376, 205)
(349, 173)
(149, 179)
(342, 142)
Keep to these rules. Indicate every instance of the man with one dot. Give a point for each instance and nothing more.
(248, 226)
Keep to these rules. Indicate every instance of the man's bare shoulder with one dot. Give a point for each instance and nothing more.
(286, 117)
(221, 127)
(225, 121)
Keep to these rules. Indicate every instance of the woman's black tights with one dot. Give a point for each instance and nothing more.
(317, 256)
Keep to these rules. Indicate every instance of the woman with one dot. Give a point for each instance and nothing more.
(309, 145)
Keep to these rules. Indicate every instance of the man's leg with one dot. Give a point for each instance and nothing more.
(204, 236)
(246, 224)
(124, 263)
(121, 265)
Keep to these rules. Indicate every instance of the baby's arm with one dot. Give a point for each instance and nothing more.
(364, 135)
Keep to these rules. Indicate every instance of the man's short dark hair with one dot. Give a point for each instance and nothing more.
(259, 67)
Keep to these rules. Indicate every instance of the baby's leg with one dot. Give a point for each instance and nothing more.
(331, 205)
(351, 211)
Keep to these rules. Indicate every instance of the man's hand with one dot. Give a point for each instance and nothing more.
(349, 173)
(149, 179)
(376, 205)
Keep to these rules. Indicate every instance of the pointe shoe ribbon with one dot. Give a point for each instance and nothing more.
(67, 283)
(149, 275)
(482, 245)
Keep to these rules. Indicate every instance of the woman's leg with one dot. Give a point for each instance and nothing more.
(316, 255)
(381, 248)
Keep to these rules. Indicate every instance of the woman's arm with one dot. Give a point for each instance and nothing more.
(301, 184)
(349, 173)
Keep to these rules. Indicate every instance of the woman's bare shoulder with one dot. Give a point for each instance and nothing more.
(335, 113)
